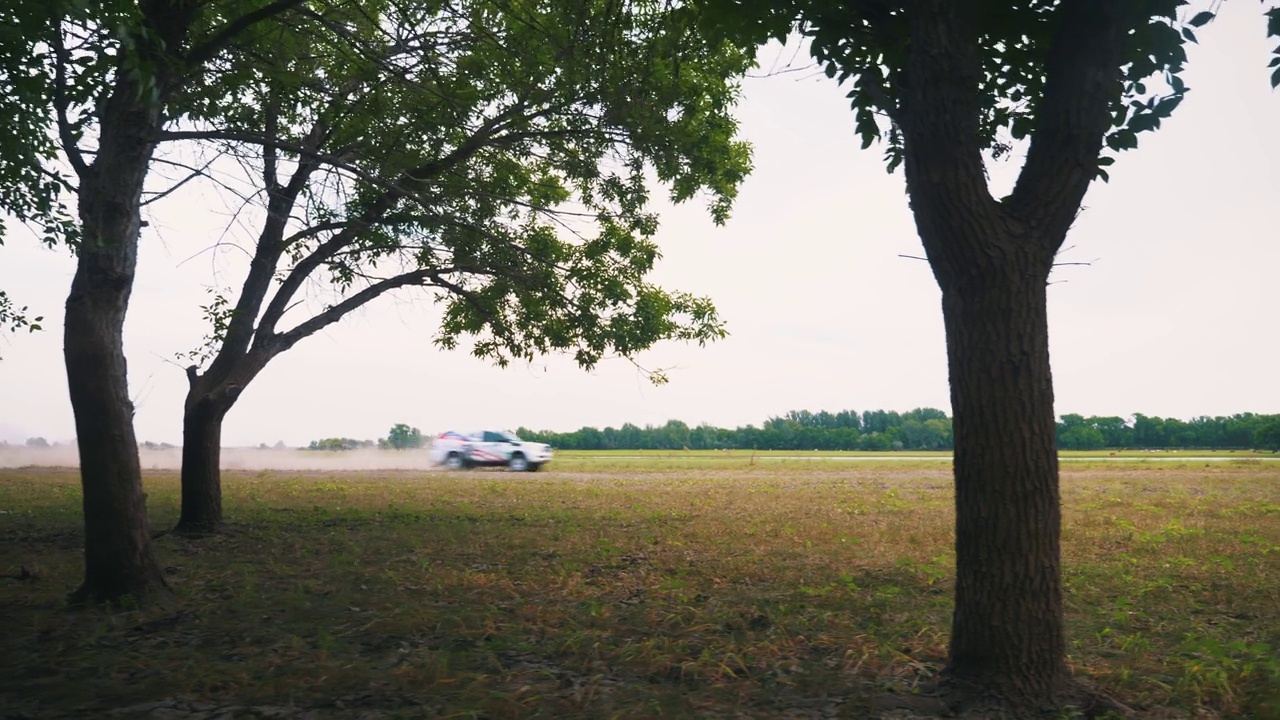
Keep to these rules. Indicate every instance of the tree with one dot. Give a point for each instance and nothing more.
(1081, 437)
(403, 437)
(497, 156)
(948, 85)
(89, 88)
(1267, 436)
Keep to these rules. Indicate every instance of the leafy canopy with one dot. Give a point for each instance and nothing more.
(865, 43)
(501, 154)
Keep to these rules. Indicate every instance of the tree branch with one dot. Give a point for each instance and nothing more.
(271, 126)
(202, 53)
(266, 258)
(939, 113)
(392, 194)
(192, 175)
(60, 103)
(286, 340)
(1083, 80)
(212, 178)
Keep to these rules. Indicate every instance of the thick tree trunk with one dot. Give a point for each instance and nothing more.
(118, 560)
(992, 259)
(209, 398)
(1007, 631)
(117, 544)
(201, 470)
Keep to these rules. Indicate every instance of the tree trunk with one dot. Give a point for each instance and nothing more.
(209, 398)
(117, 542)
(1007, 630)
(118, 560)
(992, 260)
(201, 470)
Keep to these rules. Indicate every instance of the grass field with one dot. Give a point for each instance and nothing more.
(609, 587)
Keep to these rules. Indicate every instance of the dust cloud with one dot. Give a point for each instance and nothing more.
(235, 458)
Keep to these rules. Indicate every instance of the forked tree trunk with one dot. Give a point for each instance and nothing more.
(992, 260)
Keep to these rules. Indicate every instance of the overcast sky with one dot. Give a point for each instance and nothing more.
(1178, 315)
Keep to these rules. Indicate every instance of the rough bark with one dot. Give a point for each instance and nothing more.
(201, 464)
(1007, 630)
(209, 398)
(118, 559)
(992, 261)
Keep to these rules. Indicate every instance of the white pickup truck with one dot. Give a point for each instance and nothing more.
(456, 450)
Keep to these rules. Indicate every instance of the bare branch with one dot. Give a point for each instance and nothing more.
(285, 340)
(192, 175)
(315, 230)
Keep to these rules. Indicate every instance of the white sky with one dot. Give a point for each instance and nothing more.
(1177, 316)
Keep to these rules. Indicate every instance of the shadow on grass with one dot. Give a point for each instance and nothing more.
(805, 595)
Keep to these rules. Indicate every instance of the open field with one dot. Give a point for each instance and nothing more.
(617, 588)
(292, 459)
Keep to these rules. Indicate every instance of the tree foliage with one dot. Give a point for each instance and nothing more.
(1267, 434)
(498, 155)
(341, 443)
(919, 429)
(403, 437)
(866, 45)
(14, 318)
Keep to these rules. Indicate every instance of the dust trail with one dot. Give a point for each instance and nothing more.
(235, 458)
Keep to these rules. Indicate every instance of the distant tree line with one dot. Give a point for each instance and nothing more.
(400, 437)
(1239, 431)
(919, 429)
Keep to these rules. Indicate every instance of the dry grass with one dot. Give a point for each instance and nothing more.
(632, 589)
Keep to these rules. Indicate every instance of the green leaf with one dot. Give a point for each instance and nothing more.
(1165, 107)
(1190, 36)
(1275, 79)
(1201, 19)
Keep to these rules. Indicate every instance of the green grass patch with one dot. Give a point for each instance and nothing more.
(618, 588)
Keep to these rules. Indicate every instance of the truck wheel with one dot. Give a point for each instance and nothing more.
(518, 463)
(455, 461)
